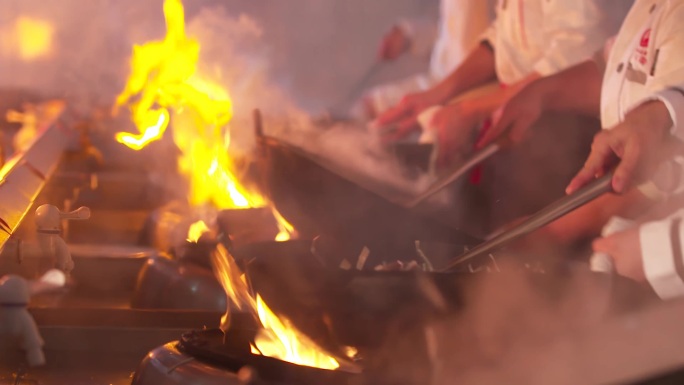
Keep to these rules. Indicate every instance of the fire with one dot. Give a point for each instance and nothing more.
(165, 85)
(196, 230)
(151, 133)
(285, 229)
(277, 338)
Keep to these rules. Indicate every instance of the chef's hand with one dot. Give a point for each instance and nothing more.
(454, 125)
(402, 119)
(625, 250)
(395, 43)
(516, 116)
(639, 143)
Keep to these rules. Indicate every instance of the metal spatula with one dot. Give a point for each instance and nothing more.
(543, 217)
(459, 170)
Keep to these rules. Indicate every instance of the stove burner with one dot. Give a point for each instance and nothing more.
(232, 352)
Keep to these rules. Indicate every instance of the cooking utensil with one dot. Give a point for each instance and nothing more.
(358, 308)
(459, 170)
(340, 108)
(320, 198)
(545, 216)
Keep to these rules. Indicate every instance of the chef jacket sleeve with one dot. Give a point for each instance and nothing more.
(601, 55)
(576, 30)
(667, 73)
(423, 34)
(662, 258)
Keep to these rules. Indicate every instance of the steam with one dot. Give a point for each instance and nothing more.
(87, 63)
(235, 55)
(509, 324)
(356, 153)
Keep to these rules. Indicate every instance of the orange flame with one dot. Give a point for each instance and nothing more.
(196, 230)
(278, 338)
(285, 229)
(164, 84)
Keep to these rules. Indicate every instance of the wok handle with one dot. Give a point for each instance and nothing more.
(547, 215)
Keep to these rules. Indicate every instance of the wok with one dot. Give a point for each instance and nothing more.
(358, 308)
(320, 198)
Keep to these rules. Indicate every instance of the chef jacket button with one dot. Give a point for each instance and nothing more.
(620, 67)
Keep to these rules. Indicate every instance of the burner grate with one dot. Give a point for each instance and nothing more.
(231, 351)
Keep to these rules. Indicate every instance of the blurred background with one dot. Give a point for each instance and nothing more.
(313, 50)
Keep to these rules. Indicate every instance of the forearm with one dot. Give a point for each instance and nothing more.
(587, 221)
(576, 90)
(477, 69)
(484, 106)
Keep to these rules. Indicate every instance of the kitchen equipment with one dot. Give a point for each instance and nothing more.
(458, 171)
(543, 217)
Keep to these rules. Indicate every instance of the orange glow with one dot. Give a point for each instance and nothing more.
(164, 85)
(196, 230)
(285, 229)
(277, 338)
(32, 38)
(151, 132)
(164, 88)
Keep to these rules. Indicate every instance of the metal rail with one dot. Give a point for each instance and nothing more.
(24, 175)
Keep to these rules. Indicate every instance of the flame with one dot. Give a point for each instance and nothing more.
(285, 229)
(164, 85)
(277, 338)
(151, 133)
(196, 230)
(233, 282)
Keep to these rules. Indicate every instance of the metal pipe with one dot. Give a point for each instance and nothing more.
(545, 216)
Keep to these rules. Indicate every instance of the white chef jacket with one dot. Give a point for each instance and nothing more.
(646, 62)
(546, 36)
(462, 22)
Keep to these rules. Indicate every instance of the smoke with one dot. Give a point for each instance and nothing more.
(510, 326)
(80, 50)
(235, 54)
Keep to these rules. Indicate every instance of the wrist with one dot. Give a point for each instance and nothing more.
(673, 100)
(441, 93)
(544, 90)
(652, 118)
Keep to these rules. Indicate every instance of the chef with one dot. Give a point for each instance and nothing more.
(528, 39)
(462, 22)
(640, 97)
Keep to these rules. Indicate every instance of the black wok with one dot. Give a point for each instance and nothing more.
(359, 308)
(319, 198)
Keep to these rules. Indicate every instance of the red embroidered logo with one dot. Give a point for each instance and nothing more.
(641, 52)
(645, 38)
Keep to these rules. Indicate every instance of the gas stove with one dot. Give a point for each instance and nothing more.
(212, 356)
